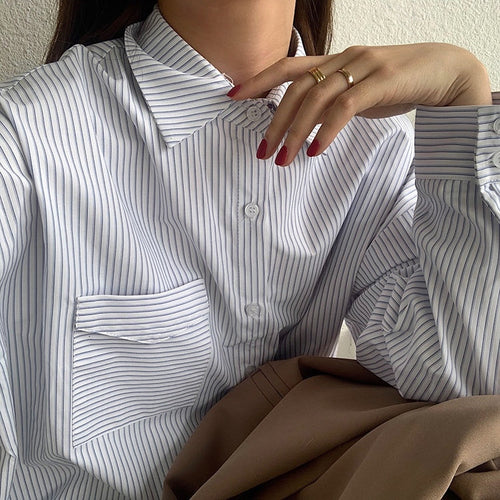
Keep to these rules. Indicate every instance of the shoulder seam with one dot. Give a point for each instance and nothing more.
(18, 79)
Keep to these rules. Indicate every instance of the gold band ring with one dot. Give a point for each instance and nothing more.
(317, 74)
(348, 76)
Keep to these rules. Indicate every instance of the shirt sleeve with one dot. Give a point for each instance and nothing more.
(430, 326)
(16, 209)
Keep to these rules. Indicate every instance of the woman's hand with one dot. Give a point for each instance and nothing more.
(387, 81)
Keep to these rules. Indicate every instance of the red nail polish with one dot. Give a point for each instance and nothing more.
(261, 152)
(313, 148)
(281, 158)
(234, 91)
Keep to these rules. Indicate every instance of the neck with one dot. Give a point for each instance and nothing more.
(239, 37)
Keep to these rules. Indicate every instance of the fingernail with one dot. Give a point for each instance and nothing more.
(313, 148)
(261, 152)
(281, 158)
(234, 91)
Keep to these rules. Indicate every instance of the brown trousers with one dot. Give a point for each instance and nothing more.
(324, 428)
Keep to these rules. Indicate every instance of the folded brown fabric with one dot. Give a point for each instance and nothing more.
(314, 428)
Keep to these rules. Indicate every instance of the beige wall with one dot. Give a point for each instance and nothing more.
(25, 27)
(472, 24)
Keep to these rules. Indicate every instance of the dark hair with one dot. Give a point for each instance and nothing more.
(92, 21)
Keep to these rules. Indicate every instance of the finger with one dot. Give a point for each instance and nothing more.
(308, 116)
(285, 70)
(300, 118)
(367, 95)
(286, 112)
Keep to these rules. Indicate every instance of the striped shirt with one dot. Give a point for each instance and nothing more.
(148, 260)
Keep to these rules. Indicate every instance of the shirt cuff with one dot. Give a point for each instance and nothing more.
(461, 143)
(458, 142)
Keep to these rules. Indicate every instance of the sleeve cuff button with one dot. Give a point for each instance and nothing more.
(496, 126)
(495, 159)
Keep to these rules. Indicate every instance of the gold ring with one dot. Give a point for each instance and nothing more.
(317, 74)
(348, 76)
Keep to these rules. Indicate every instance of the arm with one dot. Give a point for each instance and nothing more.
(434, 328)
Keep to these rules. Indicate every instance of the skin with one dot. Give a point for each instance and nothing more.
(249, 41)
(240, 38)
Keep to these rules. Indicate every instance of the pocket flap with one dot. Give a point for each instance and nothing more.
(148, 319)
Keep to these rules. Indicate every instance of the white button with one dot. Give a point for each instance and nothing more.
(254, 113)
(496, 159)
(496, 126)
(253, 310)
(252, 210)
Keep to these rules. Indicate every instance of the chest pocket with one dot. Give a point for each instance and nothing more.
(137, 356)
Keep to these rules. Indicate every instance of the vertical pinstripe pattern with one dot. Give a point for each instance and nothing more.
(148, 260)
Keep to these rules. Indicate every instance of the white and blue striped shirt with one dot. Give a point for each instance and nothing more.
(148, 260)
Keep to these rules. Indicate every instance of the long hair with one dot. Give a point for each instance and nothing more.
(92, 21)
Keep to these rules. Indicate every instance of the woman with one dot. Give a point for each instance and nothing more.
(150, 260)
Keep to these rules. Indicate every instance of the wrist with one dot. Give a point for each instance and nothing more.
(473, 84)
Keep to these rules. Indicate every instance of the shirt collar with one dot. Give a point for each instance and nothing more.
(181, 88)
